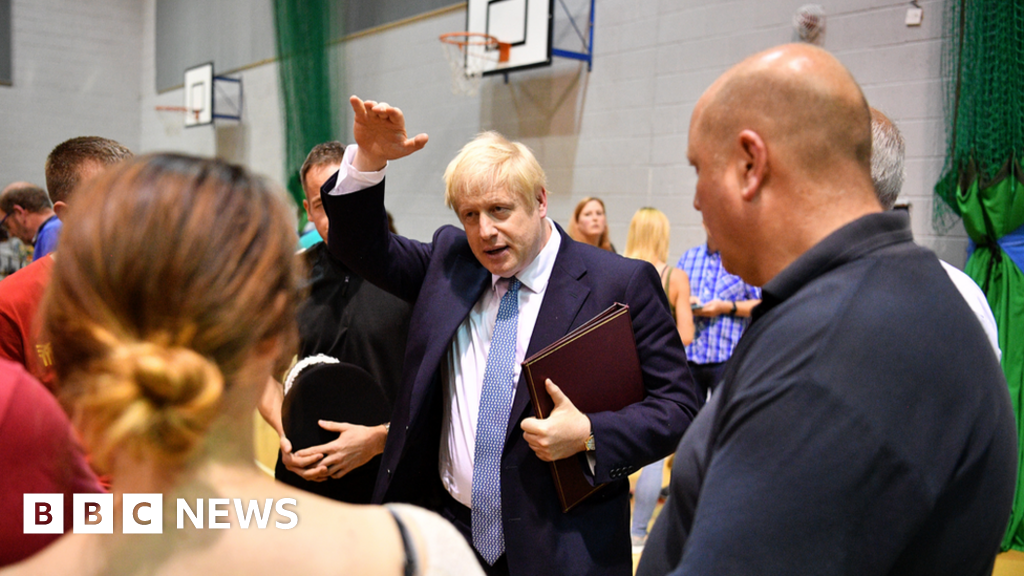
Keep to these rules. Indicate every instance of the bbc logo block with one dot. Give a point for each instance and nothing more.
(44, 513)
(93, 514)
(144, 513)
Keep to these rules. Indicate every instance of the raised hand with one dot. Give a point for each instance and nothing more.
(379, 131)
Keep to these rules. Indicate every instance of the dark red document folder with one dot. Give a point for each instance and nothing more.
(597, 367)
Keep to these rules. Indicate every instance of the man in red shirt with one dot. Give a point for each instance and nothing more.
(70, 163)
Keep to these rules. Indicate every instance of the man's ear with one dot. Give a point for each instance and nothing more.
(542, 202)
(58, 208)
(755, 163)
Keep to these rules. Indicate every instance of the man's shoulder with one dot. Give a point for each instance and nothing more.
(313, 255)
(27, 283)
(450, 234)
(449, 245)
(599, 262)
(50, 227)
(698, 250)
(869, 304)
(691, 256)
(964, 283)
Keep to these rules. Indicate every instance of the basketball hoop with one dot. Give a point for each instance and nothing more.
(468, 54)
(178, 109)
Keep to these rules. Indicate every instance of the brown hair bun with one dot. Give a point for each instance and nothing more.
(149, 397)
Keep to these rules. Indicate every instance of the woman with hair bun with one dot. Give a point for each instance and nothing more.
(172, 302)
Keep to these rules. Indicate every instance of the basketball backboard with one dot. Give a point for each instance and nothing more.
(209, 97)
(525, 24)
(199, 95)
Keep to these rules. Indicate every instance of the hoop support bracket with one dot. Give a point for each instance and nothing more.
(588, 55)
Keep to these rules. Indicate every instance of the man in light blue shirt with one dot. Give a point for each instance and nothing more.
(27, 214)
(722, 304)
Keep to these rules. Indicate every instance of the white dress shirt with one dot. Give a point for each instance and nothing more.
(977, 301)
(462, 371)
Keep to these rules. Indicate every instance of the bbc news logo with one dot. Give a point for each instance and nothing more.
(144, 513)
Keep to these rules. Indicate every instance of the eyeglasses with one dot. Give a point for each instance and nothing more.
(3, 221)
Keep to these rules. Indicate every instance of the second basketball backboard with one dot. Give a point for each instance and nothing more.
(199, 95)
(525, 24)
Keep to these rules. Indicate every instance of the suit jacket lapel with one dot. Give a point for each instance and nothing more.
(468, 278)
(563, 299)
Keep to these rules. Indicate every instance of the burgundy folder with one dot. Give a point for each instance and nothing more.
(597, 367)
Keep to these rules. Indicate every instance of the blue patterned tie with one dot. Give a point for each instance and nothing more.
(492, 421)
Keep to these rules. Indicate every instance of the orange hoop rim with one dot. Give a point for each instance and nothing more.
(195, 111)
(470, 39)
(475, 39)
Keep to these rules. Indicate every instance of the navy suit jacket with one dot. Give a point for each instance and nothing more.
(444, 281)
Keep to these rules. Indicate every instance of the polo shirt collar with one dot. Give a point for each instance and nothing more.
(854, 240)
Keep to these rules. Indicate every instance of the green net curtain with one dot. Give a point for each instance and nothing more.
(983, 181)
(303, 30)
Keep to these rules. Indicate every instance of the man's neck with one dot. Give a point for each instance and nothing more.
(36, 221)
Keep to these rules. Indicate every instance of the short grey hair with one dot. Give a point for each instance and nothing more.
(888, 151)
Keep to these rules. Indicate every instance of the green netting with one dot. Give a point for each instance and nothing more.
(984, 63)
(303, 35)
(982, 180)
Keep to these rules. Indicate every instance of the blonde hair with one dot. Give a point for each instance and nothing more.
(648, 236)
(492, 161)
(604, 242)
(172, 270)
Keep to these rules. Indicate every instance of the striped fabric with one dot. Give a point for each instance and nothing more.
(714, 338)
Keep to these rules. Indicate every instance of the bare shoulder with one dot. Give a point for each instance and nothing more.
(439, 549)
(333, 537)
(678, 280)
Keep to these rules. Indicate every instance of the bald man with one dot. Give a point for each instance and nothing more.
(851, 434)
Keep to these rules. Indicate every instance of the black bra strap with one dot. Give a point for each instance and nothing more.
(411, 562)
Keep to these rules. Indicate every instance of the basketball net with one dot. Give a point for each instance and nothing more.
(173, 123)
(468, 55)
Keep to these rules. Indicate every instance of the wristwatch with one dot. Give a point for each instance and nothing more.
(733, 313)
(590, 443)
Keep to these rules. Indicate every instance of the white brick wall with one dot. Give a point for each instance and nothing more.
(76, 72)
(619, 132)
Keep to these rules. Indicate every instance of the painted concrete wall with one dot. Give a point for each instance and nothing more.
(76, 72)
(618, 132)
